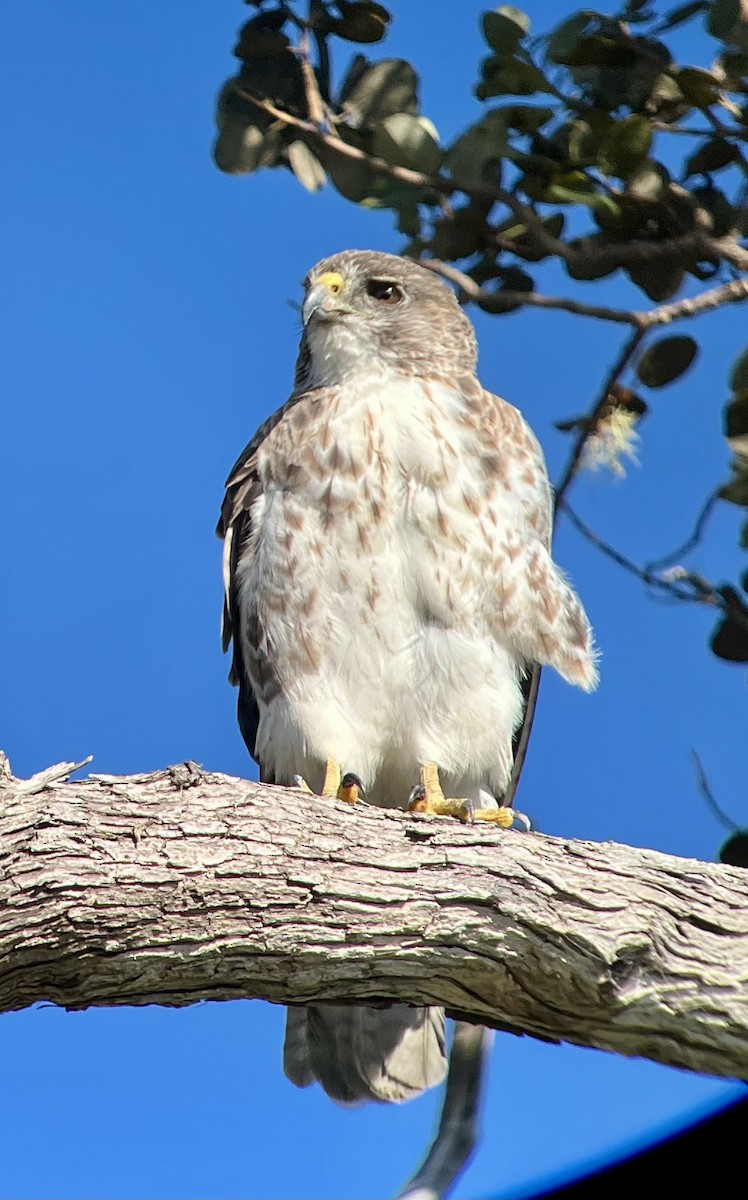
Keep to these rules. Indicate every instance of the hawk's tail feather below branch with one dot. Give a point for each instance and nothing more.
(358, 1054)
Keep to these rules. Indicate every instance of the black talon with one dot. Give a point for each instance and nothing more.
(469, 807)
(350, 780)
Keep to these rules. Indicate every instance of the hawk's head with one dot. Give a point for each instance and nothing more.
(370, 313)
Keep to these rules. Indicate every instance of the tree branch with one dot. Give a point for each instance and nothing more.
(181, 886)
(695, 244)
(458, 1134)
(693, 539)
(499, 300)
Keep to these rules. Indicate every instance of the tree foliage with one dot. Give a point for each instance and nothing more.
(596, 150)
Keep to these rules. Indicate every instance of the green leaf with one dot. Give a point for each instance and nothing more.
(711, 155)
(585, 135)
(702, 88)
(238, 147)
(625, 217)
(277, 79)
(734, 852)
(597, 50)
(666, 360)
(504, 28)
(359, 21)
(306, 166)
(568, 187)
(373, 91)
(526, 118)
(405, 140)
(505, 75)
(723, 16)
(735, 65)
(408, 219)
(565, 36)
(649, 181)
(513, 280)
(262, 37)
(738, 380)
(735, 422)
(666, 101)
(730, 639)
(721, 214)
(526, 245)
(659, 280)
(352, 178)
(457, 236)
(736, 489)
(476, 156)
(586, 265)
(684, 12)
(626, 145)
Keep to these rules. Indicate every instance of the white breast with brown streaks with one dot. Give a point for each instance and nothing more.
(370, 578)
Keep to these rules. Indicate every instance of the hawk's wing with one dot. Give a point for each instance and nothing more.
(535, 610)
(243, 489)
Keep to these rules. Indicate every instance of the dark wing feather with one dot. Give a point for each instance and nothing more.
(234, 527)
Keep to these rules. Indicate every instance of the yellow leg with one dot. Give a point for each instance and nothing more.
(429, 798)
(332, 779)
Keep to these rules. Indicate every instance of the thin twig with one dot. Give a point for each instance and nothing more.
(707, 795)
(501, 301)
(692, 541)
(685, 586)
(458, 1126)
(665, 314)
(314, 105)
(727, 293)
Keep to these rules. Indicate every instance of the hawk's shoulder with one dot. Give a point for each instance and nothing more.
(512, 454)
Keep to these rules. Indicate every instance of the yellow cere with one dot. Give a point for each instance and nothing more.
(332, 280)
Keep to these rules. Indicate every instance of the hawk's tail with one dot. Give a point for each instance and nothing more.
(358, 1054)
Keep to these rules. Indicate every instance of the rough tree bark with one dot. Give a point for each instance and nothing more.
(182, 886)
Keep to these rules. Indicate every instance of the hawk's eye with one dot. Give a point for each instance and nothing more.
(384, 290)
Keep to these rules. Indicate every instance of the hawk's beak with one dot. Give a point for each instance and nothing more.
(324, 297)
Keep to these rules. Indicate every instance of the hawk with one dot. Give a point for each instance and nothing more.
(389, 583)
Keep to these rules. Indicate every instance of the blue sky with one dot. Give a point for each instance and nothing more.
(147, 302)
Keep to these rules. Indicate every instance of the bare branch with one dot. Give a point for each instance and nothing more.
(727, 293)
(458, 1134)
(181, 886)
(693, 539)
(708, 795)
(499, 301)
(679, 585)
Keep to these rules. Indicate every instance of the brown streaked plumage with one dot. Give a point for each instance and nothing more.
(388, 583)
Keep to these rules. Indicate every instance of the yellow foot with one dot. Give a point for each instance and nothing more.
(428, 797)
(349, 788)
